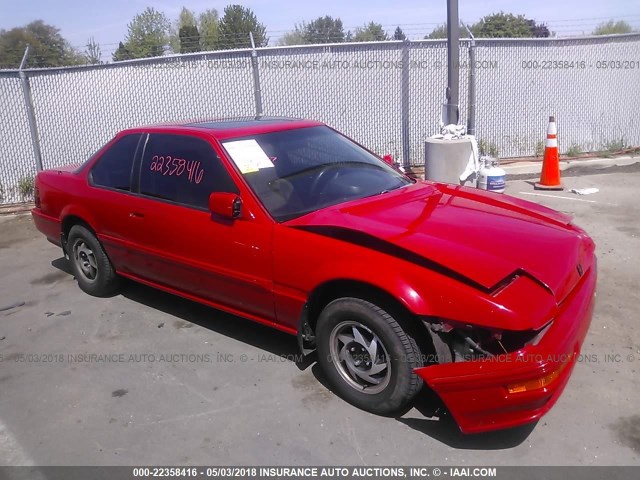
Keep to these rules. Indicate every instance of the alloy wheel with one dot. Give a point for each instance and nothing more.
(360, 357)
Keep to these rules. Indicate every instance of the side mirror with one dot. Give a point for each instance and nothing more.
(227, 205)
(388, 159)
(393, 164)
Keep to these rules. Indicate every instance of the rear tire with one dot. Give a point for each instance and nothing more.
(367, 357)
(90, 264)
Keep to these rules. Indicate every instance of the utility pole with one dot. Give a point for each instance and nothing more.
(471, 109)
(257, 91)
(453, 64)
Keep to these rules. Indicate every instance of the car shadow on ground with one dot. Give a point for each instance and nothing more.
(246, 331)
(440, 425)
(435, 420)
(63, 265)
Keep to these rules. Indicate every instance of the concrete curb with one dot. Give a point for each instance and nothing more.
(16, 208)
(569, 167)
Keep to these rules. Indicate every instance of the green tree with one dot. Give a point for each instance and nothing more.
(186, 18)
(539, 30)
(93, 53)
(612, 27)
(209, 26)
(235, 25)
(148, 34)
(508, 25)
(441, 32)
(47, 47)
(399, 34)
(121, 53)
(189, 39)
(324, 30)
(372, 32)
(498, 25)
(294, 37)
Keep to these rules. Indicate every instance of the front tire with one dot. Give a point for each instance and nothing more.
(90, 264)
(367, 357)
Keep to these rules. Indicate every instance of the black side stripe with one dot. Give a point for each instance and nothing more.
(365, 240)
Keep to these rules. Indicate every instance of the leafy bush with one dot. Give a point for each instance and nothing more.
(615, 145)
(25, 187)
(574, 150)
(490, 149)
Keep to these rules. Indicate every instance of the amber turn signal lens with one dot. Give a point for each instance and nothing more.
(536, 383)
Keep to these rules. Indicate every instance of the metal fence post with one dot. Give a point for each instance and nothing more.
(31, 117)
(453, 64)
(256, 77)
(406, 161)
(471, 108)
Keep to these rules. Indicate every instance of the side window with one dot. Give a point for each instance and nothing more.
(113, 169)
(182, 169)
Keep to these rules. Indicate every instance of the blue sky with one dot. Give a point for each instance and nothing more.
(107, 20)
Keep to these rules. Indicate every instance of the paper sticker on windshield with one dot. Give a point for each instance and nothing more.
(248, 155)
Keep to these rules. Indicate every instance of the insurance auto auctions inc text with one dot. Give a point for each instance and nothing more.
(380, 472)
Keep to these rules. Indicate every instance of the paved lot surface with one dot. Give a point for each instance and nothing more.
(179, 383)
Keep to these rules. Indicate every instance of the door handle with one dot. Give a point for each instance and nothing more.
(136, 215)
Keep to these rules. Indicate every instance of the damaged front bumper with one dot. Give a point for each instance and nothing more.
(517, 388)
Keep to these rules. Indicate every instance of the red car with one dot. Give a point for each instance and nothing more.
(396, 282)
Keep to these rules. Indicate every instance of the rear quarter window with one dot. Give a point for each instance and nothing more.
(182, 169)
(113, 168)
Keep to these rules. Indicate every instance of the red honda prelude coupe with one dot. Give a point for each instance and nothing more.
(395, 282)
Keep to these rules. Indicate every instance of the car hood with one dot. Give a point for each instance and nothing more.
(469, 234)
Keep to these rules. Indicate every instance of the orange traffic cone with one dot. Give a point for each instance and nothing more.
(550, 175)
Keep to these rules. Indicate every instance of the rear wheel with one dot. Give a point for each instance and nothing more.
(367, 356)
(90, 263)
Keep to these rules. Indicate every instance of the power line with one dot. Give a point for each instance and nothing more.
(596, 18)
(558, 27)
(415, 29)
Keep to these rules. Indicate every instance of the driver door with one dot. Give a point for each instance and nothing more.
(179, 244)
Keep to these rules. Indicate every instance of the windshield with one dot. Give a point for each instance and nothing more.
(295, 172)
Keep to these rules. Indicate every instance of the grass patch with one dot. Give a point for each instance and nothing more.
(574, 151)
(490, 149)
(25, 187)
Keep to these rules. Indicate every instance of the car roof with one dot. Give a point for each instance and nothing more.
(232, 127)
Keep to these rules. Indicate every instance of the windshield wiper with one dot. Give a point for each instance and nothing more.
(394, 188)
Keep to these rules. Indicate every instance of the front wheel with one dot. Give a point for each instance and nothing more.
(90, 263)
(367, 357)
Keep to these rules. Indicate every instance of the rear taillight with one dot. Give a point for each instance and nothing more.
(36, 197)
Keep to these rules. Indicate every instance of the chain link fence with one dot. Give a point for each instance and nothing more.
(592, 85)
(386, 95)
(16, 152)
